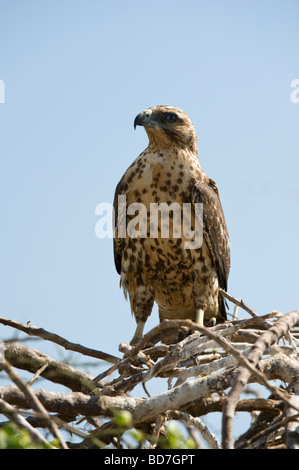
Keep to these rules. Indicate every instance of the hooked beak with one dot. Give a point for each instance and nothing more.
(143, 118)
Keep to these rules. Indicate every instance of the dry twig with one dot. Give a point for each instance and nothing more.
(206, 364)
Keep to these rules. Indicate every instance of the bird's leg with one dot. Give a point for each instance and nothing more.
(138, 333)
(199, 319)
(199, 299)
(199, 316)
(142, 304)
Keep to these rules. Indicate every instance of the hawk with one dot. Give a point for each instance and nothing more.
(182, 281)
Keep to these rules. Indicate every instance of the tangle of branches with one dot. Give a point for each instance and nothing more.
(206, 370)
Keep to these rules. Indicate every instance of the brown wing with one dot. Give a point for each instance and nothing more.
(214, 228)
(118, 243)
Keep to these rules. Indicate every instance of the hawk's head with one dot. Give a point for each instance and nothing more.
(166, 125)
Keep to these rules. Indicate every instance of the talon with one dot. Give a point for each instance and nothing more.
(212, 322)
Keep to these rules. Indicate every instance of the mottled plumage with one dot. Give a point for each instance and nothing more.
(183, 282)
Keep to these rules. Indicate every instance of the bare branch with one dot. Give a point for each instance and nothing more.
(54, 338)
(24, 358)
(207, 363)
(35, 404)
(282, 326)
(198, 424)
(237, 302)
(291, 435)
(12, 414)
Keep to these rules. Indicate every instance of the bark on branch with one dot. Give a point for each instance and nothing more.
(206, 371)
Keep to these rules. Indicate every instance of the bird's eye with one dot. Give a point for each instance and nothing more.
(171, 117)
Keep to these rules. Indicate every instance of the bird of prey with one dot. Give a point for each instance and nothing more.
(183, 281)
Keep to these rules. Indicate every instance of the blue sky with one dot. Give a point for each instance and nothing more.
(76, 74)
